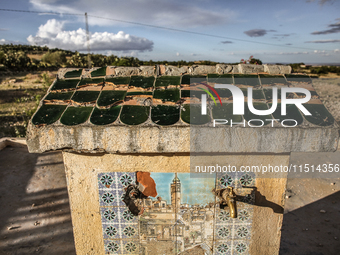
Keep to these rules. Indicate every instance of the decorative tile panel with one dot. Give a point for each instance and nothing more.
(119, 227)
(178, 220)
(233, 236)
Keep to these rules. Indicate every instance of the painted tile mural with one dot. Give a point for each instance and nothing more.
(185, 217)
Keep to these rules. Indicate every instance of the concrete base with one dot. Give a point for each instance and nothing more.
(13, 142)
(82, 171)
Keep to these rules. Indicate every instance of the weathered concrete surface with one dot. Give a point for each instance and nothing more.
(201, 69)
(236, 69)
(127, 71)
(191, 70)
(277, 69)
(82, 171)
(267, 219)
(172, 70)
(248, 69)
(272, 69)
(285, 69)
(223, 69)
(155, 139)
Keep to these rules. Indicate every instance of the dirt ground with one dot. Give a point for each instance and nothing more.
(35, 212)
(311, 223)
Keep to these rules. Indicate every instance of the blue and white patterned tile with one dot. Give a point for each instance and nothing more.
(242, 232)
(223, 217)
(223, 232)
(247, 179)
(129, 231)
(130, 246)
(107, 197)
(113, 247)
(240, 247)
(246, 201)
(110, 231)
(106, 181)
(126, 217)
(226, 179)
(223, 248)
(244, 216)
(124, 179)
(109, 214)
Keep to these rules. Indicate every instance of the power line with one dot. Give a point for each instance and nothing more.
(164, 28)
(198, 33)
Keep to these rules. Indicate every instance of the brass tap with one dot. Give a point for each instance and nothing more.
(227, 197)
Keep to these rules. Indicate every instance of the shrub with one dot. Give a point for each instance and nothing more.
(56, 58)
(251, 60)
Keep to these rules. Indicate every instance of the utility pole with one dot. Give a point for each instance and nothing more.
(88, 42)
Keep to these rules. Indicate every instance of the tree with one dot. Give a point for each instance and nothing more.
(251, 60)
(16, 60)
(56, 58)
(2, 57)
(77, 60)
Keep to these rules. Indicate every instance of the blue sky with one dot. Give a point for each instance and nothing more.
(297, 30)
(193, 190)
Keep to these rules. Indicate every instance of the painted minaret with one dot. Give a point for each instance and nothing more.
(176, 193)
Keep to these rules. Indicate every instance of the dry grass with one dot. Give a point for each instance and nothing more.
(19, 97)
(35, 56)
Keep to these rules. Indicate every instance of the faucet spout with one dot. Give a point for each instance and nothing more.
(230, 197)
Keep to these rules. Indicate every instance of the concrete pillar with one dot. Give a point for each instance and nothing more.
(111, 127)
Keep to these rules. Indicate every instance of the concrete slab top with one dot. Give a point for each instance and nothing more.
(159, 109)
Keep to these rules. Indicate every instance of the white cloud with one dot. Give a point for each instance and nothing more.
(4, 41)
(324, 41)
(52, 35)
(128, 53)
(177, 54)
(319, 51)
(315, 52)
(294, 53)
(175, 13)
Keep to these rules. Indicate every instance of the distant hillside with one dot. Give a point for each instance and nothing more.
(31, 58)
(37, 58)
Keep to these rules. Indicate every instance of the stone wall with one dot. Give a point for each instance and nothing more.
(169, 70)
